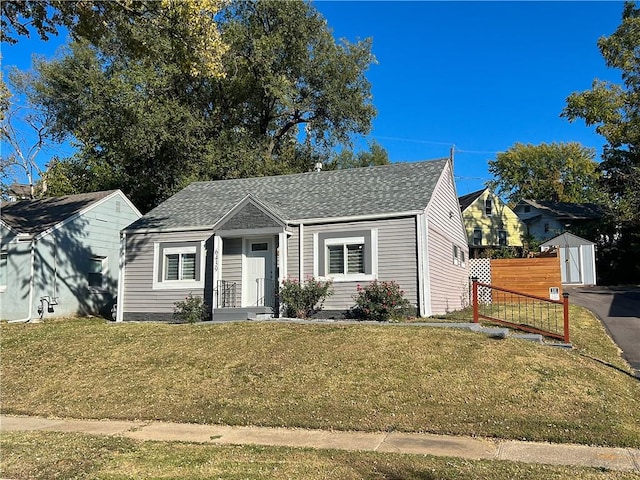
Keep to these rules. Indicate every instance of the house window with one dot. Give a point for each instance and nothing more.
(462, 258)
(477, 236)
(456, 260)
(95, 274)
(502, 238)
(178, 265)
(3, 269)
(488, 207)
(346, 256)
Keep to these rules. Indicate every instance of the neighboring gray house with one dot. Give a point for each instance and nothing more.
(577, 258)
(546, 220)
(234, 241)
(60, 255)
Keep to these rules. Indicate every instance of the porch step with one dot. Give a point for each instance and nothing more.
(239, 314)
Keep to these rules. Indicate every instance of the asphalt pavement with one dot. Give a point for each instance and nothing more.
(618, 308)
(473, 448)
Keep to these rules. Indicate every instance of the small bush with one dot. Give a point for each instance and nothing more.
(380, 301)
(303, 300)
(191, 309)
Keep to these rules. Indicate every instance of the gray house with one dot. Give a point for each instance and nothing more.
(546, 220)
(577, 258)
(234, 241)
(60, 255)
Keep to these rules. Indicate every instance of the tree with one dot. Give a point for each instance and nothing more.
(346, 158)
(147, 125)
(564, 172)
(189, 24)
(615, 111)
(25, 133)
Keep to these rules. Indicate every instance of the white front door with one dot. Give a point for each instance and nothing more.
(257, 285)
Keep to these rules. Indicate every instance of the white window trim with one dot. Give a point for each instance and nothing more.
(104, 273)
(346, 277)
(177, 284)
(5, 253)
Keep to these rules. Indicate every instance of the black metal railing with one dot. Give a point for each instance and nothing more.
(226, 294)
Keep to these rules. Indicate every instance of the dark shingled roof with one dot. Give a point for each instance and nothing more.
(469, 198)
(569, 211)
(36, 216)
(386, 189)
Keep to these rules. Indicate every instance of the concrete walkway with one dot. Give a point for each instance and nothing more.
(623, 459)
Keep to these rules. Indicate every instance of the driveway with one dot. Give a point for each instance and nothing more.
(618, 308)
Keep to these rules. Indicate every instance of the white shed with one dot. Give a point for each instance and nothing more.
(577, 258)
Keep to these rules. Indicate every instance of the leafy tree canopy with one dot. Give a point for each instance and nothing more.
(376, 155)
(189, 25)
(286, 95)
(564, 172)
(615, 111)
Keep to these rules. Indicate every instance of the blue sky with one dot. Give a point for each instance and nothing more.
(478, 75)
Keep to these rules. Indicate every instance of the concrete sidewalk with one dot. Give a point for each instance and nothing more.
(624, 459)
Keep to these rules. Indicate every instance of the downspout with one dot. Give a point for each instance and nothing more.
(31, 275)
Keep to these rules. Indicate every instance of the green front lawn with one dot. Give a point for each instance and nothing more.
(326, 376)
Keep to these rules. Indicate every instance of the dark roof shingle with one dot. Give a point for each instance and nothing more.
(36, 216)
(386, 189)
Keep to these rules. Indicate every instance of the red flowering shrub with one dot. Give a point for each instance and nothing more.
(380, 301)
(302, 300)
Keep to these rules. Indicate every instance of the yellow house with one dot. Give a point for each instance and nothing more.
(489, 222)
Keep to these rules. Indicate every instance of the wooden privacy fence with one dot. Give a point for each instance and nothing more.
(519, 310)
(533, 276)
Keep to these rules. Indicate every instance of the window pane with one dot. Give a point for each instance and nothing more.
(336, 259)
(95, 265)
(3, 268)
(355, 259)
(188, 266)
(171, 266)
(259, 247)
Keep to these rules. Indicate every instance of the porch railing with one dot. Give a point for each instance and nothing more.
(521, 311)
(266, 292)
(226, 294)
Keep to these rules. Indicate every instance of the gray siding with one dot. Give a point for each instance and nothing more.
(293, 254)
(396, 257)
(139, 296)
(445, 228)
(232, 264)
(62, 260)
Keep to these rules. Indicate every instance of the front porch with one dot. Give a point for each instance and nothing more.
(249, 262)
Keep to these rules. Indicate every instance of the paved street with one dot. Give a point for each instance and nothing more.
(619, 310)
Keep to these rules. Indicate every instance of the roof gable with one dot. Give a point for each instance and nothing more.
(466, 200)
(399, 188)
(34, 217)
(249, 213)
(566, 239)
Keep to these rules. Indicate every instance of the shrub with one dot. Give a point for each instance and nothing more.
(191, 309)
(303, 300)
(380, 301)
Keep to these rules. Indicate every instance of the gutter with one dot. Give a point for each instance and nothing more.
(31, 275)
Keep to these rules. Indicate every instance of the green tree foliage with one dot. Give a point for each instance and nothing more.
(189, 24)
(287, 94)
(347, 158)
(564, 172)
(614, 109)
